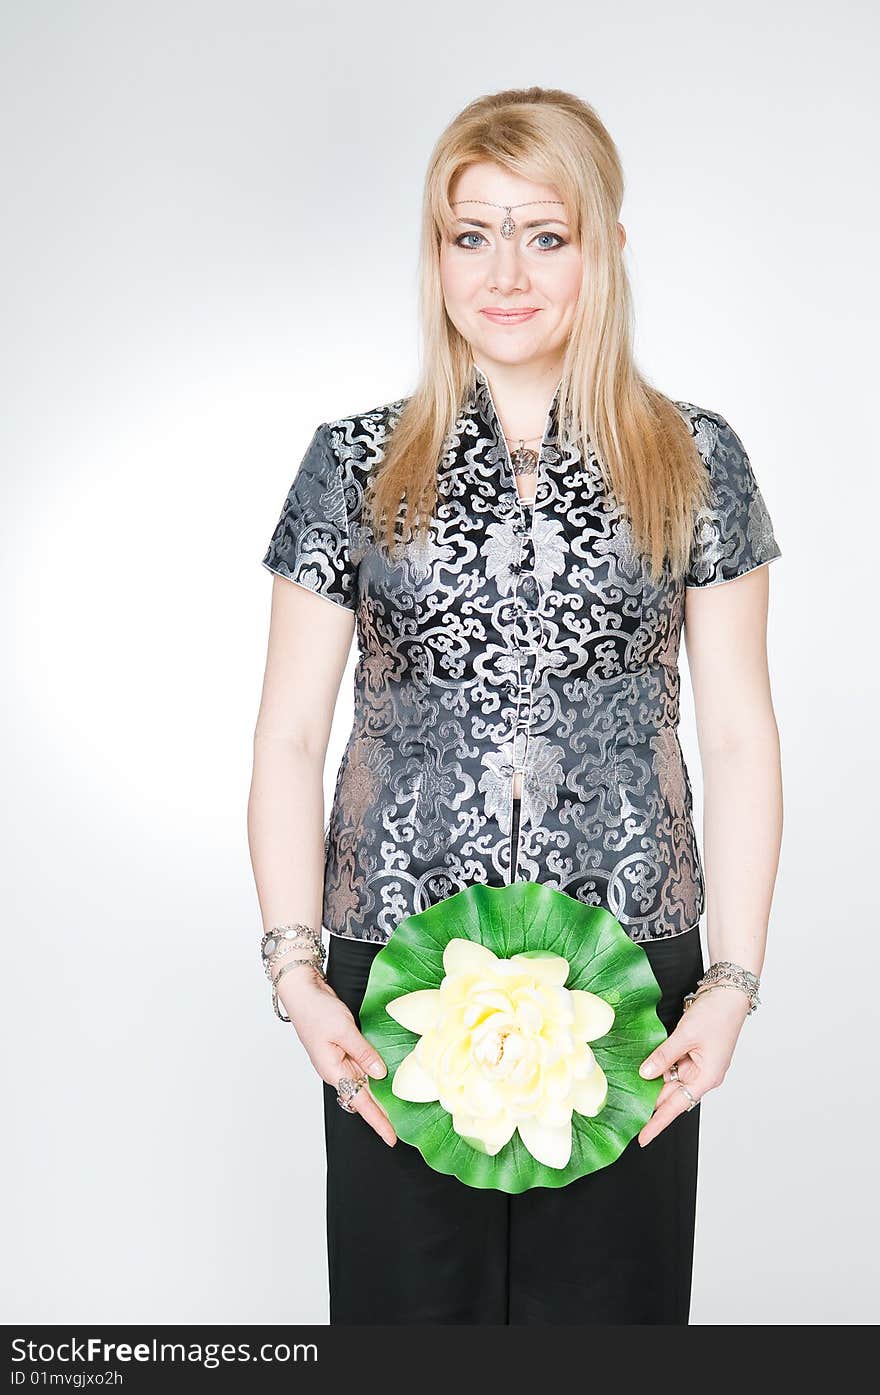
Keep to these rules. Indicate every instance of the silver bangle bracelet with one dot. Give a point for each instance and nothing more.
(287, 967)
(724, 973)
(281, 941)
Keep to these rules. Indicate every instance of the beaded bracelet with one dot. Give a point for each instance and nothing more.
(724, 973)
(281, 941)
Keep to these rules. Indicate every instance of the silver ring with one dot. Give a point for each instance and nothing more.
(693, 1099)
(673, 1071)
(346, 1089)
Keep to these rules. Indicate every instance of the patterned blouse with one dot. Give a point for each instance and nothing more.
(514, 637)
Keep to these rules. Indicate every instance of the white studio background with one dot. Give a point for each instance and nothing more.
(209, 247)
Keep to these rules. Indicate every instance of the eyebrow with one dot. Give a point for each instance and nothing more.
(535, 222)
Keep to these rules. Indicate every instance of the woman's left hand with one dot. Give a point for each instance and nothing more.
(702, 1044)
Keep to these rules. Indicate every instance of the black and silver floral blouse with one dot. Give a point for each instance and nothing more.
(514, 637)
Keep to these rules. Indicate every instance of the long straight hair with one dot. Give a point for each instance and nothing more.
(641, 441)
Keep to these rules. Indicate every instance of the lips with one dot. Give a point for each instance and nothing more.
(509, 317)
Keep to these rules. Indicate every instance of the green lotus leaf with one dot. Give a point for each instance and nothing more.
(534, 919)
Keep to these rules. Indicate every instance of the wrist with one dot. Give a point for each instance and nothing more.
(735, 999)
(291, 953)
(724, 973)
(299, 982)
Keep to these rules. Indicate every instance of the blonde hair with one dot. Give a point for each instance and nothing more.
(642, 443)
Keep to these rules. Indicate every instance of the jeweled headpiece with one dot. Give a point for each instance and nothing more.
(508, 226)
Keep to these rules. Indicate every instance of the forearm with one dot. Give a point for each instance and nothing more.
(742, 835)
(285, 821)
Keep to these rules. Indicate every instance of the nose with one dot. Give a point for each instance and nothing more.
(506, 270)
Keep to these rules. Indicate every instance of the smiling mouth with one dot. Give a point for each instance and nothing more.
(510, 314)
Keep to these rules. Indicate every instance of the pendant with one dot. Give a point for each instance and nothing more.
(524, 461)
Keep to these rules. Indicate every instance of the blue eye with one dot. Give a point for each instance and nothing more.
(469, 247)
(560, 241)
(459, 243)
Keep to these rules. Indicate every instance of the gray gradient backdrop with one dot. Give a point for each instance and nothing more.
(209, 246)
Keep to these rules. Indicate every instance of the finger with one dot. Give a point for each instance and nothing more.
(685, 1070)
(355, 1071)
(362, 1052)
(666, 1054)
(676, 1104)
(373, 1114)
(688, 1070)
(362, 1102)
(370, 1110)
(666, 1093)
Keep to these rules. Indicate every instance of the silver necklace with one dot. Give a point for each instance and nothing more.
(523, 460)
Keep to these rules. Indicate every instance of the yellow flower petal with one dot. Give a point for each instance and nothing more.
(543, 965)
(482, 1001)
(589, 1095)
(530, 1012)
(593, 1017)
(447, 1057)
(485, 1100)
(551, 1146)
(412, 1082)
(417, 1011)
(557, 1079)
(489, 1135)
(452, 1098)
(583, 1061)
(554, 1113)
(468, 957)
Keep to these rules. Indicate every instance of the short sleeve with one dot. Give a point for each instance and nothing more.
(310, 544)
(735, 533)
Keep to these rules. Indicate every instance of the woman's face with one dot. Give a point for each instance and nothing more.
(537, 270)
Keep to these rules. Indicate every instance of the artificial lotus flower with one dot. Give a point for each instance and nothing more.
(503, 1046)
(467, 1005)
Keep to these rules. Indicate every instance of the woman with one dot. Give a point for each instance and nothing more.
(519, 543)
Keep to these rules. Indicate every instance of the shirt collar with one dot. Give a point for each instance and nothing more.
(480, 402)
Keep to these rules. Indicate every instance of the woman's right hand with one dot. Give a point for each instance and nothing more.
(333, 1042)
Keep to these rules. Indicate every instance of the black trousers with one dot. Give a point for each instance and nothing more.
(406, 1244)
